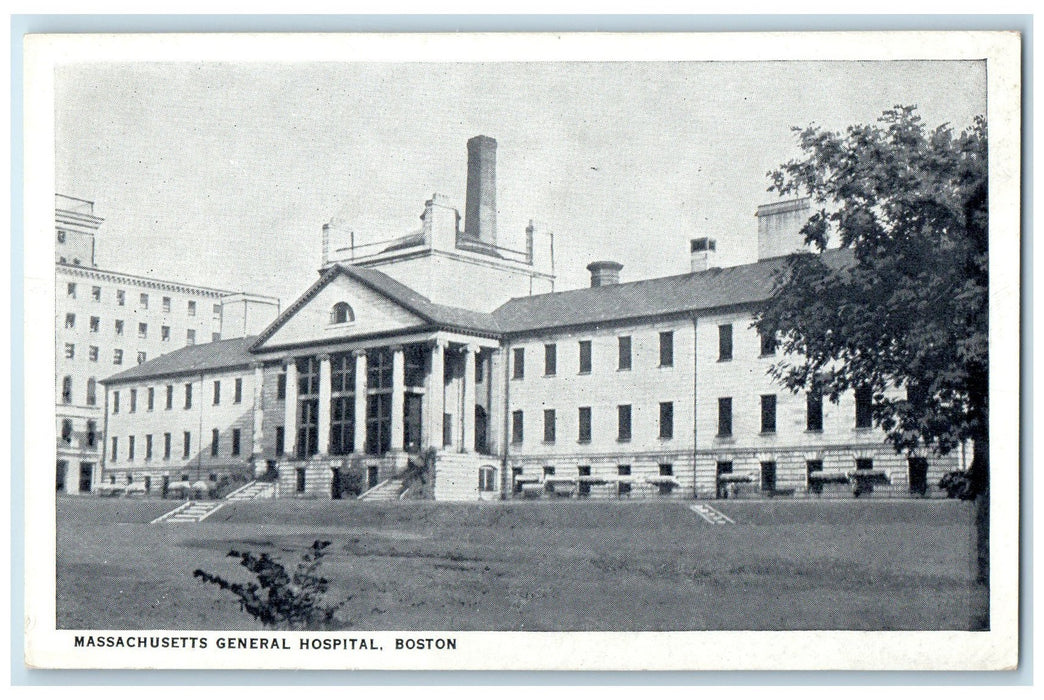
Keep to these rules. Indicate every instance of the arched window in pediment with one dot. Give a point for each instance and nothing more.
(341, 313)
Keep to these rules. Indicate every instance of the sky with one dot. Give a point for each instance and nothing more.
(222, 174)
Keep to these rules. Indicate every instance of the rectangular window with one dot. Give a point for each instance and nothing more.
(238, 395)
(95, 324)
(863, 407)
(70, 350)
(170, 397)
(92, 433)
(119, 327)
(768, 345)
(144, 300)
(814, 411)
(342, 423)
(768, 476)
(378, 423)
(768, 413)
(280, 439)
(148, 447)
(115, 402)
(192, 308)
(112, 455)
(190, 336)
(725, 342)
(585, 357)
(187, 445)
(70, 320)
(217, 393)
(217, 312)
(235, 442)
(623, 423)
(215, 437)
(151, 398)
(121, 297)
(623, 487)
(188, 395)
(281, 387)
(67, 431)
(550, 359)
(130, 448)
(117, 357)
(516, 427)
(624, 346)
(166, 445)
(584, 423)
(133, 400)
(166, 305)
(141, 356)
(864, 465)
(667, 349)
(549, 425)
(813, 466)
(725, 416)
(92, 353)
(666, 470)
(70, 290)
(96, 293)
(143, 330)
(300, 480)
(519, 363)
(666, 420)
(165, 333)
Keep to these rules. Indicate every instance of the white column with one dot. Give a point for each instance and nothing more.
(290, 410)
(323, 425)
(468, 411)
(435, 394)
(259, 410)
(360, 402)
(398, 397)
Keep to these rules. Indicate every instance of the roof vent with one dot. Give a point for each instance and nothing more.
(604, 272)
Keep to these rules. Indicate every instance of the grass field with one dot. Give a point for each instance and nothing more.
(891, 565)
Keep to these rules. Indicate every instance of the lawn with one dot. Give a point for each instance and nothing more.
(578, 565)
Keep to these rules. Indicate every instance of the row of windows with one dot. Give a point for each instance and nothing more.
(623, 356)
(93, 354)
(768, 343)
(186, 445)
(67, 390)
(94, 326)
(813, 412)
(143, 300)
(237, 396)
(623, 424)
(623, 487)
(918, 470)
(90, 435)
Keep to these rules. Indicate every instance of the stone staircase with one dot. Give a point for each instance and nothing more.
(191, 512)
(387, 490)
(252, 491)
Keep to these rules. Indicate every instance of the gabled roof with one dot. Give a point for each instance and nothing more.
(434, 315)
(679, 294)
(191, 359)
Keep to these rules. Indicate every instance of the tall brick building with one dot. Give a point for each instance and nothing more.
(444, 342)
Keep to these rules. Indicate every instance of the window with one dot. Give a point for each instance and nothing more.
(92, 392)
(170, 397)
(67, 431)
(585, 357)
(217, 312)
(725, 416)
(281, 387)
(115, 402)
(143, 330)
(623, 487)
(121, 297)
(187, 445)
(70, 350)
(117, 357)
(623, 423)
(550, 359)
(92, 353)
(624, 343)
(130, 448)
(150, 401)
(280, 437)
(215, 438)
(768, 476)
(144, 300)
(166, 305)
(549, 425)
(237, 396)
(70, 290)
(141, 356)
(487, 479)
(217, 393)
(864, 404)
(119, 327)
(341, 313)
(188, 395)
(95, 324)
(61, 236)
(300, 480)
(667, 349)
(725, 342)
(133, 400)
(516, 427)
(166, 445)
(92, 433)
(165, 333)
(813, 466)
(768, 345)
(70, 320)
(584, 423)
(67, 383)
(666, 420)
(342, 404)
(192, 308)
(148, 447)
(519, 363)
(447, 429)
(308, 407)
(814, 411)
(666, 470)
(235, 441)
(112, 452)
(190, 336)
(96, 293)
(768, 413)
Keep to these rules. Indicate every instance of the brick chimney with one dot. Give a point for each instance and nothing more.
(604, 272)
(480, 207)
(704, 253)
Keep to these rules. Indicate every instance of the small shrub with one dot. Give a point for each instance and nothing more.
(280, 599)
(957, 485)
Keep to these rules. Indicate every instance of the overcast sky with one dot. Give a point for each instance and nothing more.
(223, 174)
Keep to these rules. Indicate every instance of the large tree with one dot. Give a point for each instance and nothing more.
(908, 309)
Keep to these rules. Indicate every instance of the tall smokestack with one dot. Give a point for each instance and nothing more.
(480, 209)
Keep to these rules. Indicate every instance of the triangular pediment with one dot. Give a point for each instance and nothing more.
(313, 318)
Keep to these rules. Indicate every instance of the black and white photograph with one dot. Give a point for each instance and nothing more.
(390, 351)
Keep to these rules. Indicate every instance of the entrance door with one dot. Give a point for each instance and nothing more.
(411, 427)
(481, 426)
(86, 472)
(918, 475)
(63, 467)
(768, 476)
(371, 477)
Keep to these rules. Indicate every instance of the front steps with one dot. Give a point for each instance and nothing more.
(191, 512)
(253, 490)
(387, 490)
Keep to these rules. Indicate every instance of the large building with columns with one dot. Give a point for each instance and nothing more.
(445, 345)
